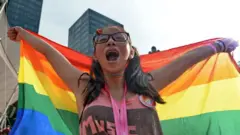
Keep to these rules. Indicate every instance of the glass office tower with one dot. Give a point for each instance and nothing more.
(24, 13)
(82, 31)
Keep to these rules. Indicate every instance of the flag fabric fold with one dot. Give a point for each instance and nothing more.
(202, 101)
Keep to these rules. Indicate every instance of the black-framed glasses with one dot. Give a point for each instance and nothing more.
(118, 37)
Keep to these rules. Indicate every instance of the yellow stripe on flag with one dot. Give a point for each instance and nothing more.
(219, 95)
(62, 99)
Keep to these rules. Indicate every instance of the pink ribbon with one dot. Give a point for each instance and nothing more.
(120, 114)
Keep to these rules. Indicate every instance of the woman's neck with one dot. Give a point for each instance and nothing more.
(115, 82)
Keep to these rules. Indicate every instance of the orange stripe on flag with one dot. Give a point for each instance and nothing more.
(201, 74)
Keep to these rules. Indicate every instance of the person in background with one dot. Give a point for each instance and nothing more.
(153, 50)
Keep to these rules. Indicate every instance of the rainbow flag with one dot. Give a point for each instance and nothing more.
(205, 100)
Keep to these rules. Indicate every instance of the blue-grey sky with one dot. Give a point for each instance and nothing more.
(162, 23)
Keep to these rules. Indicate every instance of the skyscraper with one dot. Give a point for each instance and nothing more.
(24, 13)
(82, 31)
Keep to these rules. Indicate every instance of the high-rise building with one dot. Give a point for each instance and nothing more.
(82, 31)
(25, 13)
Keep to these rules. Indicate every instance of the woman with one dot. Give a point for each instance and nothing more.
(117, 97)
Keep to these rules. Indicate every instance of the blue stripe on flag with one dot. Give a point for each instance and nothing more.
(30, 122)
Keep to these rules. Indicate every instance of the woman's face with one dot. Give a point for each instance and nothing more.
(112, 49)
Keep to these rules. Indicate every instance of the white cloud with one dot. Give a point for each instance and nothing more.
(165, 24)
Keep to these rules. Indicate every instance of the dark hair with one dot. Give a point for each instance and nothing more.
(136, 80)
(154, 47)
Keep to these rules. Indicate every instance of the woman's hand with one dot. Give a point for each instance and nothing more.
(226, 45)
(14, 33)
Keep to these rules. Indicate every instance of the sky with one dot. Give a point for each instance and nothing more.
(162, 23)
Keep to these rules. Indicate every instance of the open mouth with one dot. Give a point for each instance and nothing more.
(112, 55)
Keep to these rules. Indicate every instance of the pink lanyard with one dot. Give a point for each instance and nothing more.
(120, 114)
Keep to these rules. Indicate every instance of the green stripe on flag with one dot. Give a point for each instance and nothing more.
(215, 123)
(61, 120)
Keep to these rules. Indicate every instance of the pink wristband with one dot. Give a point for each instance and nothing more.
(213, 47)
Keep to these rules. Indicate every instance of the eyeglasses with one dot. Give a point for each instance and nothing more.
(118, 37)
